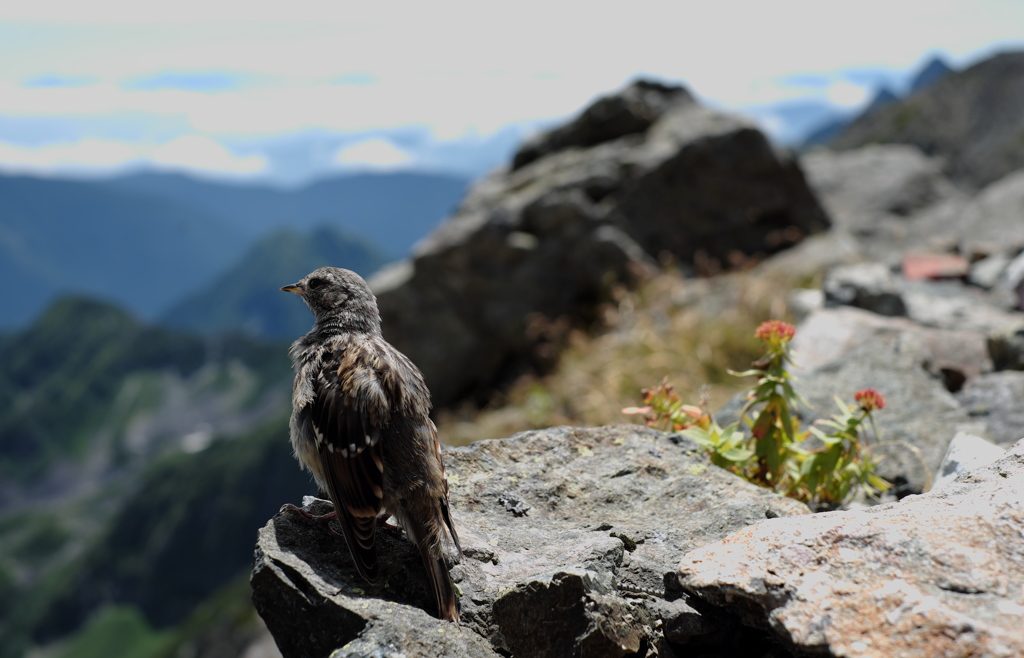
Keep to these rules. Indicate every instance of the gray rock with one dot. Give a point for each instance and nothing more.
(966, 452)
(633, 110)
(991, 222)
(827, 336)
(1010, 287)
(611, 509)
(870, 286)
(996, 401)
(843, 350)
(488, 293)
(890, 197)
(987, 272)
(1006, 347)
(957, 306)
(941, 574)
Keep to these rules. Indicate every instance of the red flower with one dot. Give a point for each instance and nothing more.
(869, 399)
(775, 331)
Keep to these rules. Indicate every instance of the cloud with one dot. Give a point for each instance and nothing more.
(846, 94)
(198, 153)
(201, 81)
(373, 153)
(191, 153)
(52, 80)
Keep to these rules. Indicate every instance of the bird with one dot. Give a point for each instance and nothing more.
(361, 425)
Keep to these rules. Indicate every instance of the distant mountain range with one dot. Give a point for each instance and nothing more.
(149, 241)
(247, 297)
(827, 129)
(973, 119)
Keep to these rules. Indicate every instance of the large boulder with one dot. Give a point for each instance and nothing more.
(567, 535)
(594, 204)
(941, 574)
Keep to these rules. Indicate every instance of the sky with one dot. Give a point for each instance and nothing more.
(291, 91)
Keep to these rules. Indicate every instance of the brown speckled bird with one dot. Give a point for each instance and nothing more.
(360, 423)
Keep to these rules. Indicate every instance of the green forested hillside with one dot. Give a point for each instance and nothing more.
(247, 297)
(81, 375)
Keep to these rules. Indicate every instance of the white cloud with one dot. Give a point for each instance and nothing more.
(192, 153)
(455, 67)
(847, 94)
(197, 153)
(82, 154)
(374, 154)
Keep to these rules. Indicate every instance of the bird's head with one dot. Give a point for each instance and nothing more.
(338, 298)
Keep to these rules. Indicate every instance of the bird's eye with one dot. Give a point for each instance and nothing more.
(315, 283)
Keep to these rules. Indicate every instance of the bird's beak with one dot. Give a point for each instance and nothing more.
(295, 288)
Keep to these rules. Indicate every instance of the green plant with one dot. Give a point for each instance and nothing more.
(816, 465)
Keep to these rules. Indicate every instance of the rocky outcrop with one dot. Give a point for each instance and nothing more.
(643, 175)
(970, 118)
(940, 574)
(572, 545)
(567, 535)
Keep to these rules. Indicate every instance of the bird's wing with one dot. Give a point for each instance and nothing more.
(347, 428)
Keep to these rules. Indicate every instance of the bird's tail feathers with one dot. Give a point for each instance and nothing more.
(427, 535)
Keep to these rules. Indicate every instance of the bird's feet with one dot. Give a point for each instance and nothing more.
(311, 518)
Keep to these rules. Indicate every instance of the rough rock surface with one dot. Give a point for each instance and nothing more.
(941, 574)
(578, 521)
(551, 237)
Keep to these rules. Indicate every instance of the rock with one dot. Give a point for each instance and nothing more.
(996, 401)
(970, 118)
(308, 593)
(1006, 348)
(610, 510)
(826, 337)
(1010, 287)
(918, 266)
(991, 222)
(870, 286)
(957, 306)
(863, 188)
(890, 197)
(633, 110)
(843, 350)
(987, 272)
(485, 295)
(941, 574)
(966, 452)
